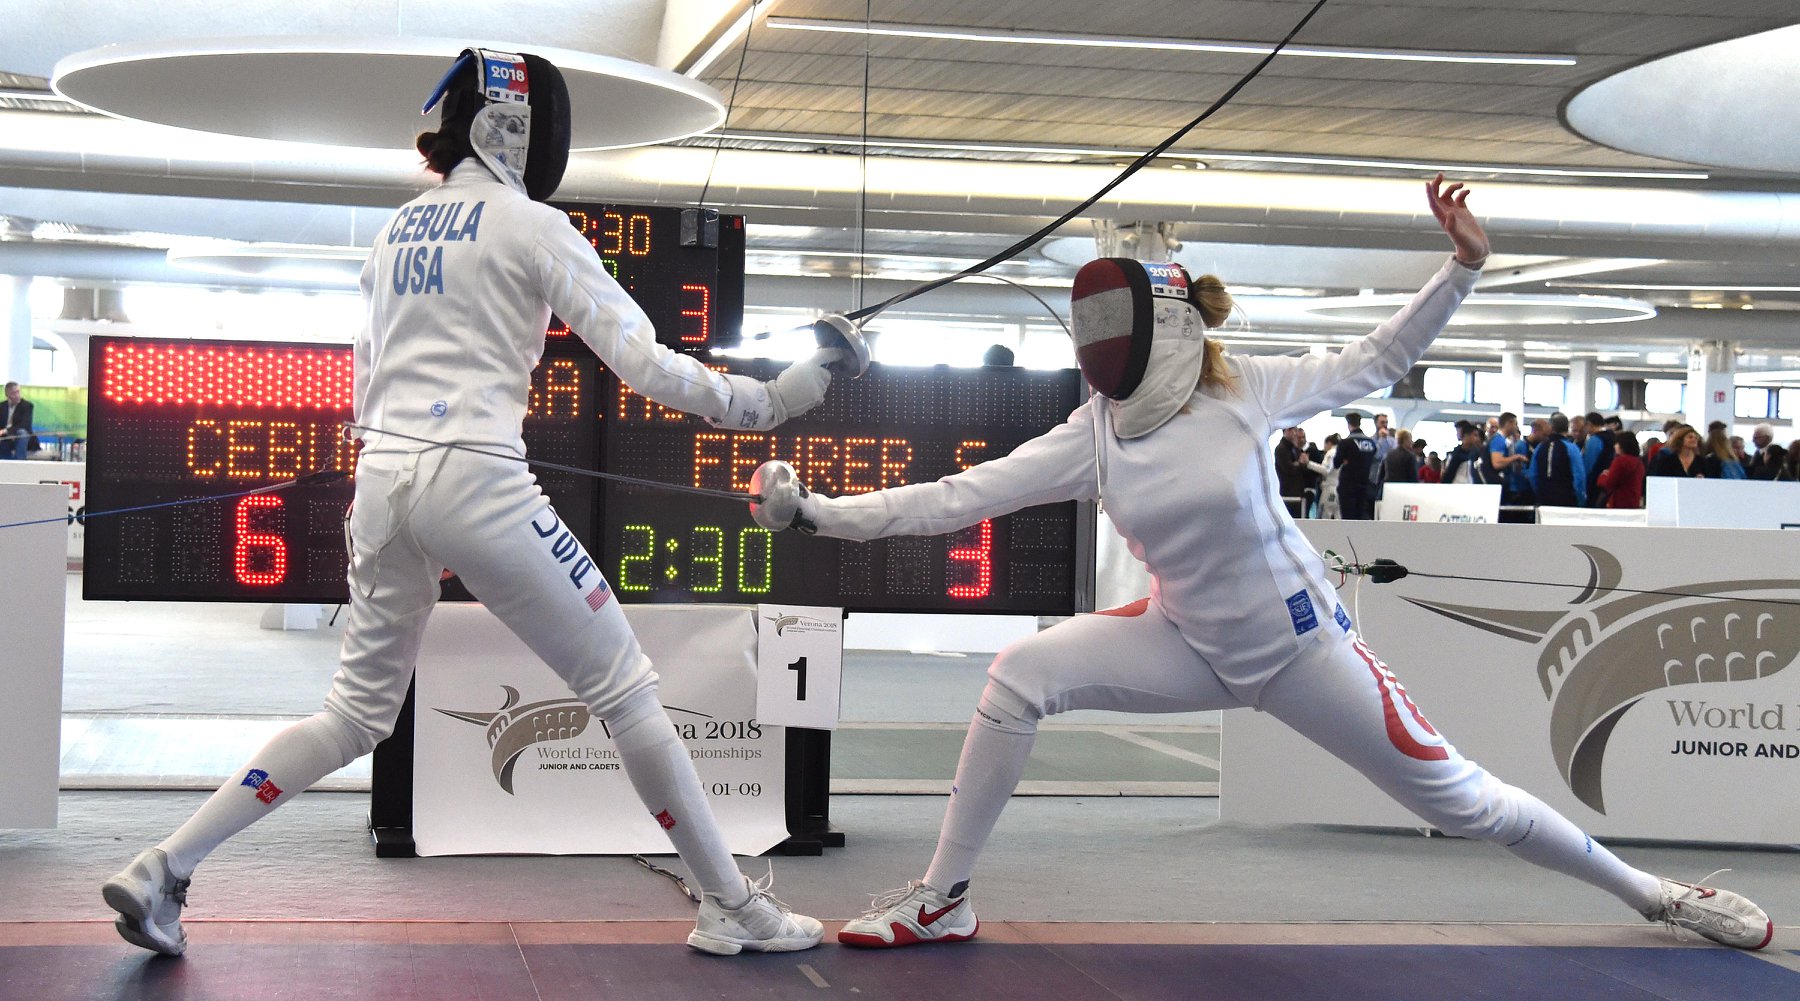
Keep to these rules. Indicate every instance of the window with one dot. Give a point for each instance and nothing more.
(1489, 388)
(1447, 385)
(1545, 390)
(1606, 394)
(1787, 405)
(1664, 396)
(1752, 402)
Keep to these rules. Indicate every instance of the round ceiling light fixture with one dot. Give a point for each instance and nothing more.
(1491, 310)
(363, 92)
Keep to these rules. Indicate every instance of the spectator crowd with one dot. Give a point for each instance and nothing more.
(1584, 460)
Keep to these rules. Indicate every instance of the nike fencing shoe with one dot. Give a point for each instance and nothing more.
(1725, 917)
(149, 900)
(912, 915)
(762, 924)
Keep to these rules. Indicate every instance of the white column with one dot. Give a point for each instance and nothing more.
(1712, 383)
(15, 363)
(1512, 378)
(1578, 393)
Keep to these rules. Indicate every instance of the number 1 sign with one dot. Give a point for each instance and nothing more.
(799, 663)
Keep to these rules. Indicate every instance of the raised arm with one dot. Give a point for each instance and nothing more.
(1292, 389)
(601, 313)
(1055, 466)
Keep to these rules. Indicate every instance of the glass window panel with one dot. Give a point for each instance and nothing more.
(1545, 390)
(1664, 396)
(1787, 406)
(1606, 394)
(1489, 388)
(1752, 402)
(1447, 385)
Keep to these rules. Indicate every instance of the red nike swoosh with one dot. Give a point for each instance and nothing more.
(930, 917)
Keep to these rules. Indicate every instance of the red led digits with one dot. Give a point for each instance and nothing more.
(701, 312)
(982, 556)
(259, 558)
(231, 376)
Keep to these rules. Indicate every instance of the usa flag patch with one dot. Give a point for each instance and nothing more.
(598, 596)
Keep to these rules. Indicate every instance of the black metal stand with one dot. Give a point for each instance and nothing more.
(809, 794)
(391, 789)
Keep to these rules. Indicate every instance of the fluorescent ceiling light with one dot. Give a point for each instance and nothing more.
(966, 34)
(723, 42)
(14, 94)
(1198, 157)
(1637, 287)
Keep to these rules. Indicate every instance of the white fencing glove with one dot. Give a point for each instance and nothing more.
(782, 501)
(760, 406)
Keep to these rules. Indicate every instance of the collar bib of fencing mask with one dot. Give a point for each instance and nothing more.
(516, 107)
(1138, 339)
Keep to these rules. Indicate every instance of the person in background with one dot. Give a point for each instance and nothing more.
(1721, 461)
(1356, 463)
(1790, 467)
(1622, 482)
(1680, 455)
(1431, 470)
(1656, 445)
(1327, 470)
(1652, 445)
(1557, 470)
(1384, 438)
(1293, 470)
(1467, 463)
(1506, 461)
(1759, 467)
(997, 356)
(16, 441)
(1597, 452)
(1401, 464)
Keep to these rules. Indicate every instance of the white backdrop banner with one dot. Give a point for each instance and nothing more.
(31, 651)
(1477, 503)
(507, 761)
(72, 475)
(1671, 715)
(1699, 503)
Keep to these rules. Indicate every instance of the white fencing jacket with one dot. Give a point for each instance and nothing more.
(459, 291)
(1197, 499)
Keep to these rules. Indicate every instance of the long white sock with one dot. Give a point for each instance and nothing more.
(290, 763)
(1549, 839)
(658, 765)
(993, 758)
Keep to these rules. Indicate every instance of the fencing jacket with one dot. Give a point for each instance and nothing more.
(1197, 499)
(460, 289)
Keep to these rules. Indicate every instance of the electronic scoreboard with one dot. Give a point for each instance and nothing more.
(176, 420)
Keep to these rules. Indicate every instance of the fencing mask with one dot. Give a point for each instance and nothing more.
(515, 108)
(1139, 339)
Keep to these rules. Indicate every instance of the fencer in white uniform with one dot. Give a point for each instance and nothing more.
(460, 289)
(1239, 613)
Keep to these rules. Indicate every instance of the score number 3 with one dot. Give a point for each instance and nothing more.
(981, 556)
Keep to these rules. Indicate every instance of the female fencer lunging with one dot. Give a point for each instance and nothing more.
(1239, 612)
(459, 290)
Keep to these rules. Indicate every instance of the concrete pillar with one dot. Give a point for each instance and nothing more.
(1578, 392)
(15, 363)
(1512, 378)
(1712, 383)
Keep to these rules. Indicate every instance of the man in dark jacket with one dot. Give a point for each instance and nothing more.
(1296, 478)
(1469, 462)
(15, 440)
(1356, 462)
(1558, 472)
(1596, 454)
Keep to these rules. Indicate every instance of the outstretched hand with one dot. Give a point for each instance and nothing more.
(1451, 207)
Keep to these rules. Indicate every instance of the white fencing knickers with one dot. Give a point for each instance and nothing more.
(415, 514)
(1335, 693)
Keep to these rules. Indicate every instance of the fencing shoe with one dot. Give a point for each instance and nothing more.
(149, 900)
(914, 914)
(762, 924)
(1725, 917)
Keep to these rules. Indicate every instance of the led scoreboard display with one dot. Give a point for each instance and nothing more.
(891, 427)
(173, 421)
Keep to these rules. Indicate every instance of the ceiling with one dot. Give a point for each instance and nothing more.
(1305, 181)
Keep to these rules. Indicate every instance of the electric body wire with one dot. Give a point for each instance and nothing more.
(598, 474)
(316, 476)
(1135, 166)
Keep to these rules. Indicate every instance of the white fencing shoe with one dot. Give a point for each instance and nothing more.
(762, 924)
(149, 900)
(1725, 917)
(912, 915)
